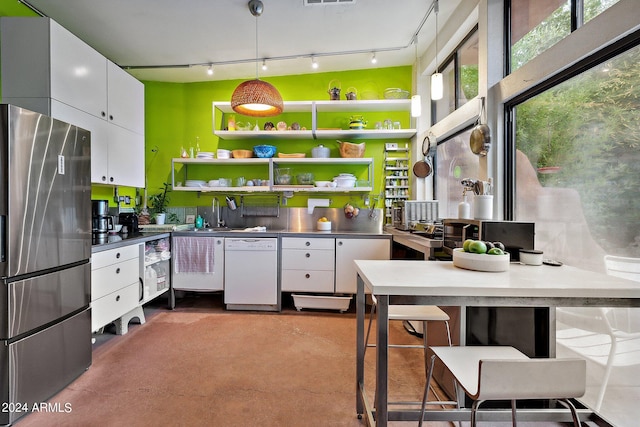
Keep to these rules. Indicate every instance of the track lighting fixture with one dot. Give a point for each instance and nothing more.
(210, 70)
(373, 58)
(437, 83)
(314, 63)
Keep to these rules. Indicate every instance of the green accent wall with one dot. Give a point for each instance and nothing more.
(179, 114)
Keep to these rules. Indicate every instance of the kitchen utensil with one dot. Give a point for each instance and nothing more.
(320, 152)
(480, 140)
(351, 94)
(349, 149)
(357, 122)
(334, 90)
(424, 167)
(231, 203)
(264, 151)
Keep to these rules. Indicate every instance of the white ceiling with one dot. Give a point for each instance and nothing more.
(160, 33)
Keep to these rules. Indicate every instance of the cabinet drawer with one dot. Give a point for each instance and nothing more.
(307, 281)
(302, 243)
(308, 259)
(102, 259)
(113, 277)
(110, 307)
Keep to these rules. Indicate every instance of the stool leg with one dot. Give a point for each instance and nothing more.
(426, 391)
(514, 422)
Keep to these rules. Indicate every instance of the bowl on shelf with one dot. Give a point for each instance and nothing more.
(242, 154)
(329, 184)
(223, 154)
(264, 151)
(305, 178)
(480, 262)
(351, 150)
(291, 155)
(345, 180)
(282, 176)
(395, 93)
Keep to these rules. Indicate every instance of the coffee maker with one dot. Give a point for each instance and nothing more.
(101, 221)
(129, 222)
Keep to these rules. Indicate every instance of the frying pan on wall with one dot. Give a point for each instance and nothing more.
(423, 168)
(480, 140)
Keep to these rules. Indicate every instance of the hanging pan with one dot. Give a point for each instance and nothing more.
(480, 140)
(423, 168)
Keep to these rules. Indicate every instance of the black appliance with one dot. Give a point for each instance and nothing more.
(514, 235)
(130, 221)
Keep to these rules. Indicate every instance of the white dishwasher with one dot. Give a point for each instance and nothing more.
(251, 274)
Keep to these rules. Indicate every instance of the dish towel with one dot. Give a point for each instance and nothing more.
(193, 254)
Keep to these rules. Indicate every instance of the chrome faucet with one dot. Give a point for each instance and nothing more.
(215, 207)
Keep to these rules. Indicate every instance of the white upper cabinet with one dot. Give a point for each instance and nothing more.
(47, 69)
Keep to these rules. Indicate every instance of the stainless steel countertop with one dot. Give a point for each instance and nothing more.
(113, 241)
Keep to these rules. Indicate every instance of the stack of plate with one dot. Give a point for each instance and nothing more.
(204, 155)
(195, 183)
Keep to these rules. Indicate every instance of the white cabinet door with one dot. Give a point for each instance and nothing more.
(99, 138)
(126, 157)
(348, 250)
(126, 99)
(78, 73)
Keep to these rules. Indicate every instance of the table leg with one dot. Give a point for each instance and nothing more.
(360, 344)
(382, 361)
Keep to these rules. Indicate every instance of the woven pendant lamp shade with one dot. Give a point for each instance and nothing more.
(257, 98)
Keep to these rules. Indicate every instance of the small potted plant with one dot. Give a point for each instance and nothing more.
(157, 204)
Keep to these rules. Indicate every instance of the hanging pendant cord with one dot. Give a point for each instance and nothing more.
(436, 11)
(256, 47)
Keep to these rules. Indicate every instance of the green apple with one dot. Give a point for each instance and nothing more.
(465, 245)
(495, 251)
(478, 247)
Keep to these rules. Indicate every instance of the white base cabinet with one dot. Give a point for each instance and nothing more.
(115, 284)
(308, 264)
(47, 69)
(349, 250)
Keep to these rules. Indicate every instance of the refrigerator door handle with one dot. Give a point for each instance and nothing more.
(3, 238)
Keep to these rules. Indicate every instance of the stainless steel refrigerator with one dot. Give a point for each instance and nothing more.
(45, 250)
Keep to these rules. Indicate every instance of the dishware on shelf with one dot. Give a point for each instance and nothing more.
(282, 176)
(305, 178)
(242, 154)
(352, 94)
(328, 184)
(264, 151)
(395, 93)
(334, 90)
(223, 154)
(291, 155)
(345, 180)
(357, 122)
(351, 150)
(320, 152)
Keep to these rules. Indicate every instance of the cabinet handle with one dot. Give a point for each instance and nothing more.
(117, 297)
(104, 178)
(118, 255)
(103, 114)
(307, 275)
(110, 179)
(307, 243)
(110, 117)
(340, 243)
(307, 254)
(118, 270)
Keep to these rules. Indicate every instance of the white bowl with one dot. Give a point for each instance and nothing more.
(345, 181)
(329, 184)
(531, 257)
(324, 225)
(480, 262)
(223, 154)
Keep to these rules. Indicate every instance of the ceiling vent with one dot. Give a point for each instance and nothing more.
(327, 2)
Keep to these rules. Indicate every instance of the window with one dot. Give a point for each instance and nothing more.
(454, 162)
(537, 25)
(460, 77)
(578, 163)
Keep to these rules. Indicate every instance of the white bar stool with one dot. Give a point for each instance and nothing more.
(415, 313)
(504, 373)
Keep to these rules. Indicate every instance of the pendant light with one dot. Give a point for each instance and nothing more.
(416, 101)
(256, 98)
(437, 83)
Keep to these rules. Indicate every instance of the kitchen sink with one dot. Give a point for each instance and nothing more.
(218, 229)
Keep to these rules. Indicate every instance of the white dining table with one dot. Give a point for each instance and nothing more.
(441, 283)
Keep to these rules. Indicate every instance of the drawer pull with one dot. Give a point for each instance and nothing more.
(307, 255)
(118, 270)
(118, 298)
(307, 243)
(118, 255)
(307, 275)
